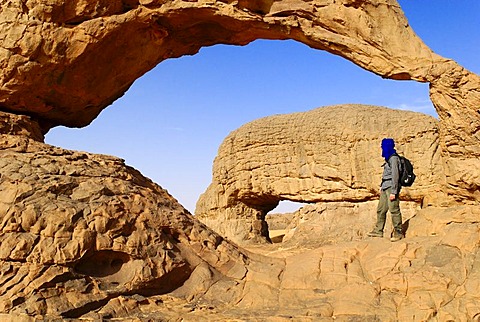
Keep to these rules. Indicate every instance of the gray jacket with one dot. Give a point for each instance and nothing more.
(391, 174)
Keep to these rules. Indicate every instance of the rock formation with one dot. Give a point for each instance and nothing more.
(329, 154)
(79, 229)
(51, 67)
(85, 236)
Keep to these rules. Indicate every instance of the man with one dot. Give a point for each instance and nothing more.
(389, 192)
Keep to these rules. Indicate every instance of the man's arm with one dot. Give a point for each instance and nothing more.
(395, 166)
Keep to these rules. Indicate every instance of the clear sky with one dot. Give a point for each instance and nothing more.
(171, 122)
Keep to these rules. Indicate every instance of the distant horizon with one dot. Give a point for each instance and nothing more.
(172, 120)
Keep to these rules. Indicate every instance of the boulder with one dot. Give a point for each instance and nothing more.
(329, 154)
(79, 229)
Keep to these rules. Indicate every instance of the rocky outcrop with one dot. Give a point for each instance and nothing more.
(79, 229)
(329, 154)
(84, 236)
(320, 224)
(51, 67)
(436, 275)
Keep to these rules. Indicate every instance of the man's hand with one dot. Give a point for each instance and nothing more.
(392, 197)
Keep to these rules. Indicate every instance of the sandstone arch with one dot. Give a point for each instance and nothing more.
(353, 30)
(51, 68)
(329, 155)
(85, 236)
(62, 210)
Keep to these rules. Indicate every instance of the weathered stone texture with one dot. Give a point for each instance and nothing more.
(328, 154)
(78, 229)
(85, 236)
(51, 67)
(333, 222)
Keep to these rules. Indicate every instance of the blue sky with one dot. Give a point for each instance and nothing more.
(172, 120)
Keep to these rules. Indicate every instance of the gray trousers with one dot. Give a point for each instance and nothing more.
(385, 205)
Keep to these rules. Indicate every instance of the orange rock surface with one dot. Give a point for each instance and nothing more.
(84, 236)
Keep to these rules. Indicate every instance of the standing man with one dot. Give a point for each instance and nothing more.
(389, 192)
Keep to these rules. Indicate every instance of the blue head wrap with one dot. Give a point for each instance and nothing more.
(388, 148)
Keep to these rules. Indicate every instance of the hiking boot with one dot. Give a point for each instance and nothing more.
(396, 237)
(374, 233)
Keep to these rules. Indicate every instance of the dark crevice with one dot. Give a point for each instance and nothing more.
(63, 189)
(101, 263)
(168, 282)
(354, 3)
(171, 234)
(77, 216)
(18, 301)
(65, 277)
(24, 196)
(89, 307)
(129, 5)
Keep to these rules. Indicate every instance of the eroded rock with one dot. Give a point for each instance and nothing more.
(79, 229)
(51, 68)
(84, 235)
(330, 154)
(338, 222)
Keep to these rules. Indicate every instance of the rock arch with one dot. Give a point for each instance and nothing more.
(329, 154)
(63, 62)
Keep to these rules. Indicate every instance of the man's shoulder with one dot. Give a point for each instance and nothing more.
(394, 158)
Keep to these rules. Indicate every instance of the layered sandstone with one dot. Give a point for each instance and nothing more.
(329, 154)
(79, 229)
(51, 66)
(84, 236)
(320, 224)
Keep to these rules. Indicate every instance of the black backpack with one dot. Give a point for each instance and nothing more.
(407, 177)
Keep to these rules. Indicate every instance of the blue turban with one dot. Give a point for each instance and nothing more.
(388, 148)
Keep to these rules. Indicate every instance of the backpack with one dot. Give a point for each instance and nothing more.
(407, 177)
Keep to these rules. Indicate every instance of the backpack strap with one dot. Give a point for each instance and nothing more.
(394, 154)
